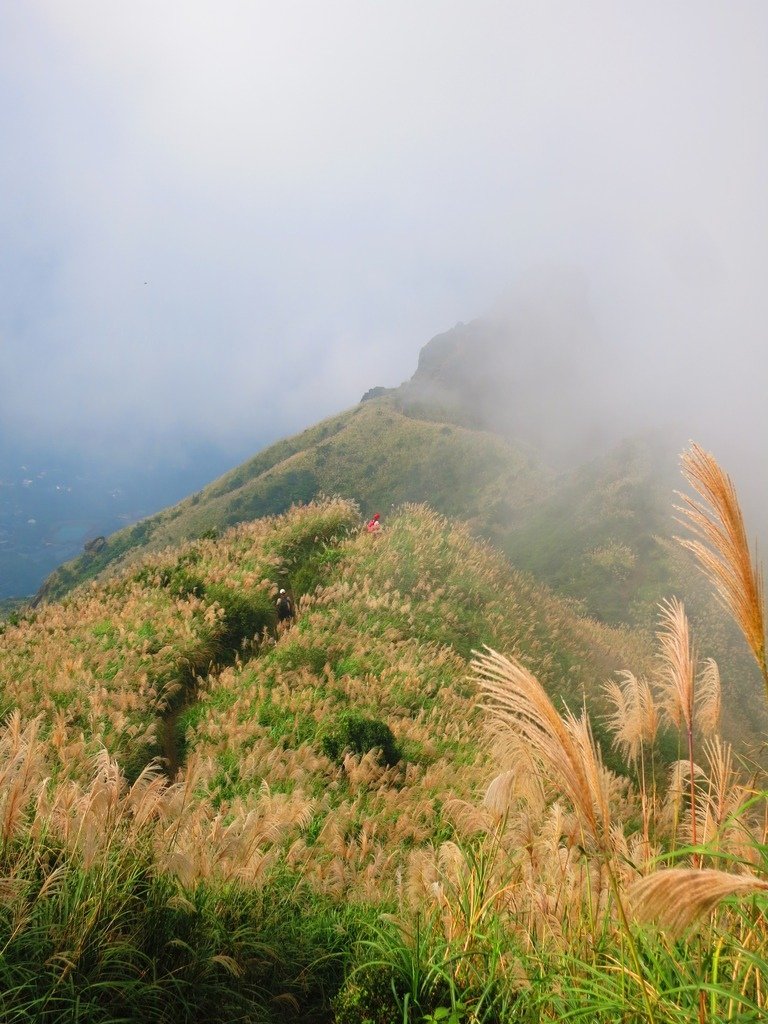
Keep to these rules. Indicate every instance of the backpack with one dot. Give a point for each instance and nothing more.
(284, 607)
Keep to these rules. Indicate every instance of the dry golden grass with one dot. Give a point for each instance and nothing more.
(634, 716)
(721, 547)
(556, 882)
(564, 746)
(678, 665)
(709, 698)
(678, 897)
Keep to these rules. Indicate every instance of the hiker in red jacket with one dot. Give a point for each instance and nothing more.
(374, 525)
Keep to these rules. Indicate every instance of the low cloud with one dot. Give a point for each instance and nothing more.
(221, 223)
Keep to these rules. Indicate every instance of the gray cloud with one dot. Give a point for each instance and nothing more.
(310, 191)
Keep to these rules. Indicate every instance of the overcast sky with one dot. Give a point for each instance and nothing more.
(220, 221)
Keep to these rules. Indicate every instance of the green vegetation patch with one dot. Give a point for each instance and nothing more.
(120, 942)
(353, 732)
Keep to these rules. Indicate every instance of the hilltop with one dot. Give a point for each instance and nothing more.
(376, 454)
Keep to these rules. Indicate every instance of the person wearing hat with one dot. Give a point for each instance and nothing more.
(285, 610)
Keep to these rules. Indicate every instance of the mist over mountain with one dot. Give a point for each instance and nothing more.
(234, 240)
(221, 228)
(529, 372)
(539, 372)
(226, 227)
(544, 369)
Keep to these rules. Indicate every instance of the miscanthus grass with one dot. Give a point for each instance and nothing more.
(579, 891)
(97, 922)
(718, 539)
(508, 858)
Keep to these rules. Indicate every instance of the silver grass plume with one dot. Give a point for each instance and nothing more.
(676, 898)
(563, 745)
(721, 547)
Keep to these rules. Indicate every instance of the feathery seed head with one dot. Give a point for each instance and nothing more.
(677, 897)
(721, 547)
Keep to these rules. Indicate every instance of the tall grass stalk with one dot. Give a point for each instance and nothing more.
(678, 674)
(565, 747)
(719, 542)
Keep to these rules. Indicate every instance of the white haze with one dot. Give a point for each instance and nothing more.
(222, 221)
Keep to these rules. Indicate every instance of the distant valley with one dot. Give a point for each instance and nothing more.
(52, 505)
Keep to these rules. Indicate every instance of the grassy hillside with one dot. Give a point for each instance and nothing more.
(113, 660)
(373, 454)
(599, 534)
(341, 838)
(276, 739)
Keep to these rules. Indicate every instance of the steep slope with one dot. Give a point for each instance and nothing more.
(596, 531)
(600, 535)
(178, 656)
(373, 454)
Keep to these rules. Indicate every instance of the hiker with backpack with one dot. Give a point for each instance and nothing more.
(285, 609)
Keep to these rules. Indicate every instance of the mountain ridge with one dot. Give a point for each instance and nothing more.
(400, 458)
(598, 532)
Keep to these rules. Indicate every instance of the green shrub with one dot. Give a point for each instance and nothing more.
(358, 734)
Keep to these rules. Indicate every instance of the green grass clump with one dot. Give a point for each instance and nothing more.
(118, 942)
(352, 732)
(413, 972)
